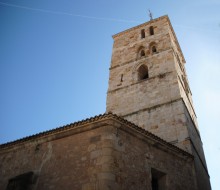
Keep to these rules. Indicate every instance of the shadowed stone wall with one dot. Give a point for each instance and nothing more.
(101, 155)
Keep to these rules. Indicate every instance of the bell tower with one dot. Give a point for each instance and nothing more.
(148, 86)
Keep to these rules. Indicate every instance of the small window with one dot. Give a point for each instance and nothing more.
(122, 77)
(151, 30)
(21, 182)
(142, 53)
(158, 180)
(154, 49)
(143, 33)
(143, 72)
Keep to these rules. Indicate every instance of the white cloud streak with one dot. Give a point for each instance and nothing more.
(67, 14)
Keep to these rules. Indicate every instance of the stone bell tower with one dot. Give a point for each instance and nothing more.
(148, 86)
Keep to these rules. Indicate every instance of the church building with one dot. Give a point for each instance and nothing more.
(148, 139)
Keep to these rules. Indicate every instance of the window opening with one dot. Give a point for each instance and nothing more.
(142, 53)
(21, 182)
(121, 77)
(143, 72)
(151, 30)
(158, 180)
(154, 183)
(154, 49)
(143, 33)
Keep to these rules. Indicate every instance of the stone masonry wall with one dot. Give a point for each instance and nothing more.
(135, 157)
(75, 162)
(161, 103)
(162, 122)
(132, 95)
(127, 43)
(197, 151)
(191, 124)
(99, 156)
(127, 96)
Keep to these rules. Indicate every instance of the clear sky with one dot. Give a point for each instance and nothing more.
(55, 55)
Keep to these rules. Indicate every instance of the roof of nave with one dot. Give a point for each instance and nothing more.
(88, 121)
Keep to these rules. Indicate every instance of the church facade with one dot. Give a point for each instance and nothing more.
(148, 138)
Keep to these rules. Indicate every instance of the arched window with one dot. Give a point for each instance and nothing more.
(154, 49)
(143, 33)
(143, 72)
(142, 53)
(151, 29)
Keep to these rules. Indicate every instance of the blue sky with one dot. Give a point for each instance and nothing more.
(55, 55)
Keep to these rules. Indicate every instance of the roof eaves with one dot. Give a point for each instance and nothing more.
(91, 120)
